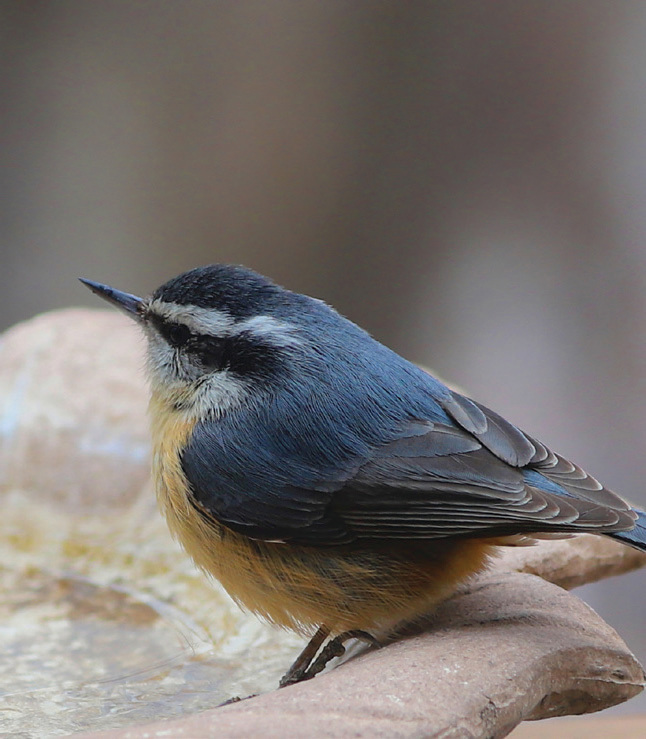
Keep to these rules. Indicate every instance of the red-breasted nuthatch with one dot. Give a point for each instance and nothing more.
(324, 480)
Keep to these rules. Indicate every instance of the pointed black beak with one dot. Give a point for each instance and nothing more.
(131, 304)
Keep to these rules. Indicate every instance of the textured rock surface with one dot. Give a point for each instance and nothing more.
(572, 562)
(512, 647)
(73, 427)
(588, 727)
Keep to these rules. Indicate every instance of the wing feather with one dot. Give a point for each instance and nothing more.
(482, 477)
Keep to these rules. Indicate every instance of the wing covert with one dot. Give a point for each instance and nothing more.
(434, 480)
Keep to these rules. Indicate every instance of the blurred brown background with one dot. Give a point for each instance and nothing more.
(467, 180)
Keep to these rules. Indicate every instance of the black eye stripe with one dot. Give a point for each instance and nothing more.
(208, 349)
(242, 353)
(176, 334)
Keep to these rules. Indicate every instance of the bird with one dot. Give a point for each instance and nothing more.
(330, 485)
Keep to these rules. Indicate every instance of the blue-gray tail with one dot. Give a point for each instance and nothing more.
(635, 537)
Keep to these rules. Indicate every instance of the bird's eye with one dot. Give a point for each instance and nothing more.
(176, 334)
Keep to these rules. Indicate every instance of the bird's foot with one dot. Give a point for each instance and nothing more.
(307, 666)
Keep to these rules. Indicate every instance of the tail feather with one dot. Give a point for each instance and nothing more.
(636, 537)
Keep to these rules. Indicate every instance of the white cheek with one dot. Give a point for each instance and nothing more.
(172, 376)
(161, 364)
(217, 393)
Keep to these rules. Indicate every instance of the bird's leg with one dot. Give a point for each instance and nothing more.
(336, 648)
(306, 667)
(298, 671)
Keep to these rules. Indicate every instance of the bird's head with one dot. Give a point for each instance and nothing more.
(214, 333)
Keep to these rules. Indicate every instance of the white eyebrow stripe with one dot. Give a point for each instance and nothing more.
(218, 323)
(270, 327)
(199, 320)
